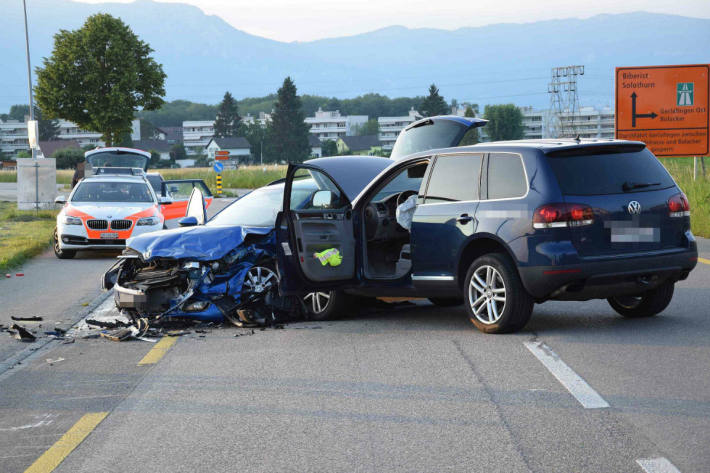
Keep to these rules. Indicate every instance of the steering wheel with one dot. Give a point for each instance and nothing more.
(404, 196)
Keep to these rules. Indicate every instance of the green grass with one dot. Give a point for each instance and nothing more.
(246, 177)
(698, 192)
(8, 176)
(23, 233)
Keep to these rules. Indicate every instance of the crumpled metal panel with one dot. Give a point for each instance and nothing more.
(199, 243)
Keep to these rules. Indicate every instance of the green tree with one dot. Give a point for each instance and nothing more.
(202, 161)
(256, 135)
(68, 158)
(434, 104)
(177, 151)
(471, 137)
(19, 112)
(288, 133)
(98, 76)
(505, 122)
(48, 128)
(329, 148)
(370, 127)
(24, 154)
(228, 121)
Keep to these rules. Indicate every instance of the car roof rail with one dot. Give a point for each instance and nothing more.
(103, 171)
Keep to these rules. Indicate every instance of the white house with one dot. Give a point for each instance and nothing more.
(238, 147)
(326, 125)
(196, 135)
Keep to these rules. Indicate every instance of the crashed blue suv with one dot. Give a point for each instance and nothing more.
(497, 227)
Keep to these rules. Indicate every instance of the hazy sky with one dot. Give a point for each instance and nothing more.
(304, 20)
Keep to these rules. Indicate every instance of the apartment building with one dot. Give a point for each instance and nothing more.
(591, 122)
(13, 137)
(262, 119)
(327, 125)
(390, 127)
(196, 135)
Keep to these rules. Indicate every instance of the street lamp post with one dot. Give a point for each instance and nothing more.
(29, 73)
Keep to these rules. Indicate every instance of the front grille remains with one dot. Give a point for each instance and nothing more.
(97, 224)
(121, 224)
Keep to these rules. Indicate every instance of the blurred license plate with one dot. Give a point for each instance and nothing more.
(629, 234)
(109, 236)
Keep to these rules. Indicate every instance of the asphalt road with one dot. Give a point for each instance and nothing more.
(403, 388)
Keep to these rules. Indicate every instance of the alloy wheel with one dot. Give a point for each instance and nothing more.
(317, 301)
(486, 294)
(260, 279)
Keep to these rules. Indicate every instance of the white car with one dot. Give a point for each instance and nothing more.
(103, 211)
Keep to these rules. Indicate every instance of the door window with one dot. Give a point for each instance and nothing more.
(313, 190)
(506, 176)
(455, 178)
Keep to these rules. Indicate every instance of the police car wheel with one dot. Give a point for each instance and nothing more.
(60, 253)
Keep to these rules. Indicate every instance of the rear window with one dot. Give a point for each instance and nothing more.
(454, 178)
(610, 173)
(428, 135)
(506, 176)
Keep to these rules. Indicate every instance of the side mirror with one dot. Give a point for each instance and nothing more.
(60, 200)
(188, 222)
(322, 199)
(165, 200)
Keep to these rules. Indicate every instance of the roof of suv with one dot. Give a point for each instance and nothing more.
(547, 146)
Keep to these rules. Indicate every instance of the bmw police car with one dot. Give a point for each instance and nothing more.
(104, 210)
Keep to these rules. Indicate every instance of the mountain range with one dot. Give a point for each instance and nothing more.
(204, 56)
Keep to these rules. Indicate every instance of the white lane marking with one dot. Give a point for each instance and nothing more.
(657, 465)
(574, 383)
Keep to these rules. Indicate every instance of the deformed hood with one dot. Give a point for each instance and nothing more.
(199, 243)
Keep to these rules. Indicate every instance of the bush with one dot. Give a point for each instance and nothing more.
(68, 158)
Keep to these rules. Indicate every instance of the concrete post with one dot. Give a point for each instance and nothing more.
(36, 183)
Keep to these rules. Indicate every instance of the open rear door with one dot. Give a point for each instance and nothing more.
(316, 243)
(179, 191)
(443, 131)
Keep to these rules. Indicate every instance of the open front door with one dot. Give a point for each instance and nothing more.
(316, 243)
(179, 191)
(196, 206)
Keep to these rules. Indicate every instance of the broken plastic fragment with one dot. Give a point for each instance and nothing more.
(23, 334)
(27, 319)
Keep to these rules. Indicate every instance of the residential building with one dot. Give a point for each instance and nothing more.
(173, 134)
(366, 145)
(48, 148)
(196, 135)
(263, 119)
(533, 123)
(238, 148)
(316, 147)
(71, 131)
(327, 125)
(390, 127)
(13, 137)
(592, 122)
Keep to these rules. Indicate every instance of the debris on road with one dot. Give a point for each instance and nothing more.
(21, 333)
(51, 361)
(27, 319)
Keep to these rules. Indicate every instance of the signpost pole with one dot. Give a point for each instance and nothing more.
(219, 184)
(695, 168)
(702, 165)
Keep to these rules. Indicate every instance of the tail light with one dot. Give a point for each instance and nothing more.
(678, 205)
(563, 215)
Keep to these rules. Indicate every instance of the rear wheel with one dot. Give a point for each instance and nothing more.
(495, 298)
(60, 253)
(326, 305)
(647, 304)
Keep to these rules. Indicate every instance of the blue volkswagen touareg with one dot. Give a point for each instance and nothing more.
(495, 226)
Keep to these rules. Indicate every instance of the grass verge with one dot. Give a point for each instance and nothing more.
(23, 233)
(246, 177)
(698, 192)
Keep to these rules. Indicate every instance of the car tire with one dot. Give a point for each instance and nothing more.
(494, 296)
(324, 305)
(647, 304)
(446, 301)
(60, 253)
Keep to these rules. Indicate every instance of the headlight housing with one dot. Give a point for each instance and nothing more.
(72, 220)
(148, 221)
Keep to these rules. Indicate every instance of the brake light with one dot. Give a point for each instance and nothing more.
(563, 215)
(678, 205)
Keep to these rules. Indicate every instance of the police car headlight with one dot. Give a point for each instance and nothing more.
(148, 221)
(72, 220)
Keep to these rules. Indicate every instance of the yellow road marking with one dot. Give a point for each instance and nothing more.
(703, 260)
(158, 351)
(69, 441)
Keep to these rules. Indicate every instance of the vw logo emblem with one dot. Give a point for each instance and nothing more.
(634, 207)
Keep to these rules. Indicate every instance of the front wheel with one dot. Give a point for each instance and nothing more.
(60, 253)
(647, 304)
(496, 300)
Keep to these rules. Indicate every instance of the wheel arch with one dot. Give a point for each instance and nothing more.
(479, 245)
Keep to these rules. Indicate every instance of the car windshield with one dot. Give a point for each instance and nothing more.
(112, 192)
(260, 207)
